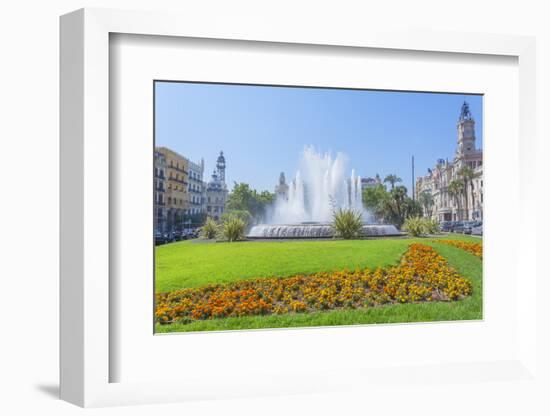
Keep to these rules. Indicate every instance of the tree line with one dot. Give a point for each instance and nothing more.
(393, 205)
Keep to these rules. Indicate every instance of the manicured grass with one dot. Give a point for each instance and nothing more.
(191, 264)
(195, 263)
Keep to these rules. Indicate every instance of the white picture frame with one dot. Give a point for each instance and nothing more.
(86, 262)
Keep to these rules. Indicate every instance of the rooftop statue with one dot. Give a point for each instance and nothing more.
(465, 113)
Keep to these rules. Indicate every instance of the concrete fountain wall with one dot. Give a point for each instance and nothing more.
(314, 230)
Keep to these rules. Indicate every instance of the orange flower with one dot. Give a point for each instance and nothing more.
(422, 276)
(474, 248)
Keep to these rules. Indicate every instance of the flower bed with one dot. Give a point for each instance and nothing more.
(474, 248)
(422, 276)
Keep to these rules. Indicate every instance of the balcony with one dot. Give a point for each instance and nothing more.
(186, 172)
(178, 181)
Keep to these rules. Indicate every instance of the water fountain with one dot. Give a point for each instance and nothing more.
(319, 187)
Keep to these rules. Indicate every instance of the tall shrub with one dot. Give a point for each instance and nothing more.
(415, 226)
(432, 226)
(210, 229)
(347, 223)
(233, 229)
(418, 226)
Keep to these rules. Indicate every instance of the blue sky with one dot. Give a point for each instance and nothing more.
(263, 130)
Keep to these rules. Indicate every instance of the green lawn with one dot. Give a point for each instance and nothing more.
(195, 263)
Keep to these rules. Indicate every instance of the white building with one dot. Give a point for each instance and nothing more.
(438, 192)
(196, 189)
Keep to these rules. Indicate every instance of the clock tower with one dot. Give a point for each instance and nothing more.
(220, 165)
(466, 139)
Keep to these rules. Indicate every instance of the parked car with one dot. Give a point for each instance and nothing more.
(446, 226)
(160, 238)
(478, 230)
(170, 236)
(191, 233)
(458, 227)
(468, 226)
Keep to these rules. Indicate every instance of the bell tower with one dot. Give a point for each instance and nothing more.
(466, 139)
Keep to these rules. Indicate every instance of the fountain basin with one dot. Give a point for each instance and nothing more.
(314, 230)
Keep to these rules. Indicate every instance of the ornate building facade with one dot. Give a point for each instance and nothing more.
(177, 181)
(180, 191)
(216, 190)
(453, 191)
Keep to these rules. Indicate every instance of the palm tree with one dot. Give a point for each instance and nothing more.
(393, 206)
(455, 189)
(392, 179)
(467, 175)
(426, 199)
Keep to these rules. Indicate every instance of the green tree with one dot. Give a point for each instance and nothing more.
(241, 214)
(194, 220)
(266, 198)
(467, 176)
(426, 200)
(412, 208)
(392, 180)
(455, 189)
(244, 198)
(397, 206)
(373, 198)
(241, 198)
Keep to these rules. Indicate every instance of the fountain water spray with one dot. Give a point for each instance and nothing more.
(319, 187)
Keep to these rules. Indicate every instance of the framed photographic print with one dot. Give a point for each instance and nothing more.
(246, 248)
(265, 211)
